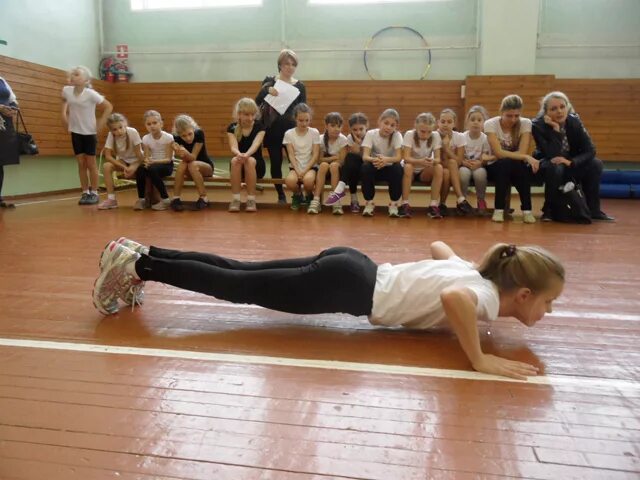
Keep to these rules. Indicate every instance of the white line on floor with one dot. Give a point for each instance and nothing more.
(583, 382)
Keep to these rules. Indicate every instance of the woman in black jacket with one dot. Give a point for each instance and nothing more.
(566, 153)
(274, 133)
(9, 154)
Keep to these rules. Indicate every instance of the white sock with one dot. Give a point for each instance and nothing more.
(461, 199)
(340, 187)
(499, 210)
(111, 196)
(394, 203)
(235, 196)
(251, 197)
(205, 199)
(86, 191)
(130, 268)
(316, 197)
(525, 212)
(404, 202)
(176, 198)
(433, 203)
(354, 197)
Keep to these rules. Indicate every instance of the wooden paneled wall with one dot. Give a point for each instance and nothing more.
(608, 107)
(39, 92)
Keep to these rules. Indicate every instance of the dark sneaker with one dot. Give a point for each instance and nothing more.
(334, 198)
(404, 210)
(464, 208)
(444, 211)
(355, 207)
(433, 212)
(282, 199)
(545, 217)
(602, 216)
(306, 200)
(176, 205)
(201, 204)
(84, 199)
(296, 201)
(93, 198)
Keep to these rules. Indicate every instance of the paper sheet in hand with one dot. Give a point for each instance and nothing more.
(287, 93)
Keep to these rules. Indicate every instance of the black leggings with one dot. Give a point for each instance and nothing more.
(275, 159)
(587, 173)
(350, 171)
(506, 172)
(337, 280)
(392, 174)
(155, 173)
(1, 180)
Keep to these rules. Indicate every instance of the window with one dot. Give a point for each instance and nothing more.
(357, 2)
(189, 4)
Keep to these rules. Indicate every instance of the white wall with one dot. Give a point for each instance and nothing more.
(60, 33)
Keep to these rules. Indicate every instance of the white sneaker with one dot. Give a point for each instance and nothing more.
(140, 204)
(161, 205)
(393, 211)
(528, 217)
(337, 210)
(369, 210)
(498, 216)
(314, 207)
(114, 282)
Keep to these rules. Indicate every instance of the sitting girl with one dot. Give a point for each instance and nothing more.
(521, 282)
(123, 153)
(245, 137)
(190, 148)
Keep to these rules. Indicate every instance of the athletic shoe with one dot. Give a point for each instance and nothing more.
(234, 206)
(602, 216)
(464, 208)
(433, 212)
(528, 218)
(4, 204)
(296, 201)
(369, 210)
(161, 205)
(482, 205)
(393, 211)
(334, 198)
(84, 199)
(176, 205)
(135, 294)
(282, 199)
(404, 210)
(140, 204)
(498, 216)
(93, 198)
(545, 217)
(314, 207)
(114, 282)
(355, 207)
(201, 204)
(306, 200)
(444, 211)
(251, 206)
(337, 210)
(108, 204)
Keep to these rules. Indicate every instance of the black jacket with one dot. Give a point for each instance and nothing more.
(549, 142)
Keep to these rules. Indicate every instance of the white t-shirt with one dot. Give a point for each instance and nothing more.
(408, 294)
(302, 144)
(475, 147)
(423, 150)
(335, 147)
(380, 145)
(125, 154)
(158, 147)
(506, 142)
(82, 109)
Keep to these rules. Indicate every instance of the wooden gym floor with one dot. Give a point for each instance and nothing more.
(190, 387)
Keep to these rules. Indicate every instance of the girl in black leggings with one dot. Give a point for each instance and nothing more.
(510, 281)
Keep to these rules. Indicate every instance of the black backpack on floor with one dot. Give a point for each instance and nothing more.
(569, 205)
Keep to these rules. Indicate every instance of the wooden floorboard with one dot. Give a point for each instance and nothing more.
(95, 415)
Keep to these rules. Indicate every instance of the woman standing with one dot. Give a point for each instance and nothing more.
(9, 154)
(279, 124)
(566, 153)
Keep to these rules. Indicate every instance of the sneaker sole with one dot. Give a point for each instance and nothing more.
(96, 287)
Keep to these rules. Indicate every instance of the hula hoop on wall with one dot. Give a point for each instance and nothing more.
(398, 27)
